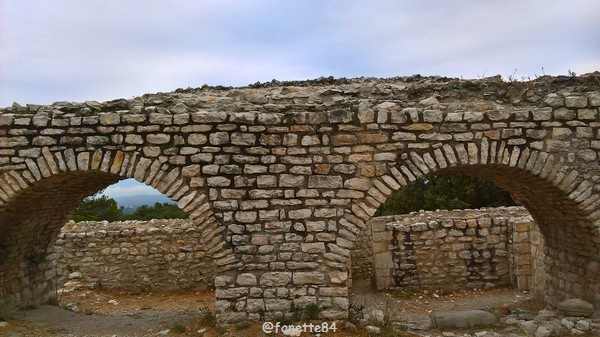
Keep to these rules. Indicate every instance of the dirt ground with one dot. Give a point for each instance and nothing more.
(110, 313)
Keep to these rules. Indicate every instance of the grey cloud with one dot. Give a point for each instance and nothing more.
(73, 50)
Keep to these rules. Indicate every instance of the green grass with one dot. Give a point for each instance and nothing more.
(311, 311)
(53, 301)
(243, 325)
(299, 313)
(283, 320)
(178, 328)
(30, 307)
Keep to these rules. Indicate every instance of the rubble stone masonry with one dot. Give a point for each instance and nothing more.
(449, 250)
(281, 178)
(155, 255)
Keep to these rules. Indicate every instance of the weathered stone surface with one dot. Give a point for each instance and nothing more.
(325, 182)
(462, 319)
(85, 249)
(302, 278)
(542, 331)
(450, 250)
(246, 279)
(276, 279)
(288, 180)
(315, 247)
(266, 168)
(576, 307)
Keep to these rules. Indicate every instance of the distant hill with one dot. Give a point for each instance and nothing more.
(131, 203)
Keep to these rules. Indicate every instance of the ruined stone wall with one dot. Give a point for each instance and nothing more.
(527, 255)
(453, 249)
(282, 177)
(155, 255)
(362, 255)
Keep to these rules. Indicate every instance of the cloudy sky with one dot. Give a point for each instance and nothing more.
(73, 50)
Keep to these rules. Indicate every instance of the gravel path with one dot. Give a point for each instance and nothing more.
(149, 314)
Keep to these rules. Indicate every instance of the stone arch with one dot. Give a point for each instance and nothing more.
(559, 198)
(36, 202)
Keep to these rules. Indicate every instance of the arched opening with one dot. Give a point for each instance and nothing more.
(131, 239)
(446, 232)
(430, 200)
(559, 201)
(559, 206)
(36, 205)
(31, 222)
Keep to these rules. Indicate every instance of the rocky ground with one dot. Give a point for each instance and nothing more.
(92, 312)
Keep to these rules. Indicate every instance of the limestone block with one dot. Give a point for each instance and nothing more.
(275, 279)
(288, 180)
(308, 278)
(269, 118)
(246, 279)
(277, 304)
(160, 118)
(197, 139)
(255, 305)
(313, 247)
(109, 118)
(209, 117)
(326, 182)
(238, 138)
(462, 319)
(159, 138)
(576, 101)
(219, 138)
(576, 307)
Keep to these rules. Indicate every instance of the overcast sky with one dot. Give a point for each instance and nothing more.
(73, 50)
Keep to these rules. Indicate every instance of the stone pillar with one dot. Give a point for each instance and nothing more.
(292, 263)
(265, 295)
(521, 254)
(383, 262)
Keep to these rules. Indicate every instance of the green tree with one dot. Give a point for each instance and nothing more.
(97, 208)
(158, 211)
(445, 191)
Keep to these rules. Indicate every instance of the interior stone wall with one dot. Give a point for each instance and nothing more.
(449, 250)
(526, 255)
(155, 255)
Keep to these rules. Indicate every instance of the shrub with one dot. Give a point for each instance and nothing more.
(178, 328)
(53, 301)
(243, 325)
(311, 311)
(207, 318)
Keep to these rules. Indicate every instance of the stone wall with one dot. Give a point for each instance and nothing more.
(527, 255)
(281, 177)
(454, 249)
(362, 254)
(155, 255)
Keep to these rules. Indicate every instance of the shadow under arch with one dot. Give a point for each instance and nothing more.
(560, 200)
(36, 202)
